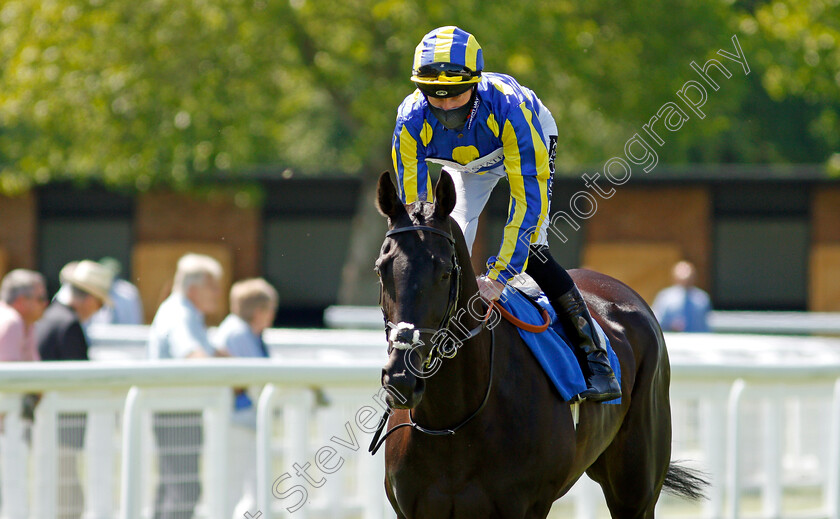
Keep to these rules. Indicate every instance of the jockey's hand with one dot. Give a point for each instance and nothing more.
(490, 289)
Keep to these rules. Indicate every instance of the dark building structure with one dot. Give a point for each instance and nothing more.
(762, 237)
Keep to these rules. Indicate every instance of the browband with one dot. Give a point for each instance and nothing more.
(421, 228)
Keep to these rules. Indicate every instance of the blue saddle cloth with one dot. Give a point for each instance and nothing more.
(551, 347)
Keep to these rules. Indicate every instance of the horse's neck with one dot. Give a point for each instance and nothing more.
(457, 389)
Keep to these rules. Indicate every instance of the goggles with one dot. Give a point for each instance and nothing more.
(443, 91)
(443, 72)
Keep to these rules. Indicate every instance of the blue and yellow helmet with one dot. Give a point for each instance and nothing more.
(447, 62)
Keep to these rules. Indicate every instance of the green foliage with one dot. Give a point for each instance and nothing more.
(145, 94)
(796, 44)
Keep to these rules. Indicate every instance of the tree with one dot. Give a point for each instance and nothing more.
(139, 95)
(796, 44)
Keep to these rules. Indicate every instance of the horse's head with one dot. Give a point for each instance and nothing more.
(420, 276)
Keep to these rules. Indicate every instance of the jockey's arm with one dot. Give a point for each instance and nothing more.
(408, 151)
(527, 168)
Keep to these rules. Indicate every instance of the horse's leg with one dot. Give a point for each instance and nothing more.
(632, 469)
(393, 500)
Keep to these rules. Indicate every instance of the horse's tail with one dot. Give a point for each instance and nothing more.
(684, 482)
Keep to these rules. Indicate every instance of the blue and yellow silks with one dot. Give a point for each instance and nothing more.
(505, 119)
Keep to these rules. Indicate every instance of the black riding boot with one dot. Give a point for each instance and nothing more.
(600, 379)
(566, 300)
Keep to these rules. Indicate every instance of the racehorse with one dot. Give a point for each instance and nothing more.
(487, 435)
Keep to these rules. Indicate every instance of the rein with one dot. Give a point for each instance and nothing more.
(533, 328)
(377, 442)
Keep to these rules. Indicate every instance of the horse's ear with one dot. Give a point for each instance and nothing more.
(387, 200)
(444, 195)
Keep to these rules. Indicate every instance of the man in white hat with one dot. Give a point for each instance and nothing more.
(60, 337)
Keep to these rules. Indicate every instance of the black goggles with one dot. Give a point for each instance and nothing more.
(450, 70)
(443, 91)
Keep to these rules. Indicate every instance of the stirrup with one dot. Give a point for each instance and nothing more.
(602, 396)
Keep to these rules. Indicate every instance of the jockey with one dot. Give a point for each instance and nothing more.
(481, 127)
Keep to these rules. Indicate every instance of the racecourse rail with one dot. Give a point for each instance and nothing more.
(760, 414)
(795, 323)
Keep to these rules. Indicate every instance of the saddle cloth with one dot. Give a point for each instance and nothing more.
(551, 347)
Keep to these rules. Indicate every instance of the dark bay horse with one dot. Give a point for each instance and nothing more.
(515, 448)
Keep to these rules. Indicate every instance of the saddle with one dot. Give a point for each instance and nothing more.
(527, 286)
(524, 299)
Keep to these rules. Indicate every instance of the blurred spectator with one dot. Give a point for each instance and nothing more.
(23, 298)
(126, 306)
(683, 307)
(60, 337)
(84, 291)
(63, 294)
(253, 305)
(178, 331)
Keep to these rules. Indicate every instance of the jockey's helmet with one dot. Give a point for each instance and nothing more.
(447, 62)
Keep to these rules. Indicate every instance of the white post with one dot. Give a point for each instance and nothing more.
(265, 421)
(712, 421)
(296, 412)
(795, 432)
(372, 477)
(132, 476)
(99, 452)
(216, 445)
(14, 461)
(44, 446)
(733, 431)
(149, 459)
(832, 492)
(297, 406)
(331, 425)
(771, 493)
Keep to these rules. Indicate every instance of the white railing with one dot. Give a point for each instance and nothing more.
(799, 323)
(121, 342)
(760, 414)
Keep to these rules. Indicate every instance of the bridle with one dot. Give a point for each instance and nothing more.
(454, 293)
(451, 305)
